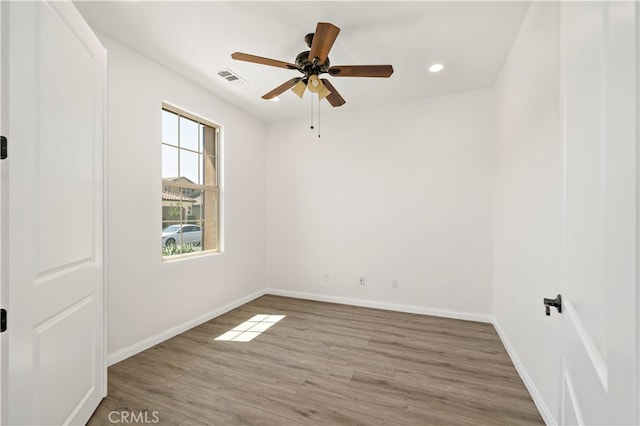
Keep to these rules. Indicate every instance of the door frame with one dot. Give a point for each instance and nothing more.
(637, 357)
(637, 266)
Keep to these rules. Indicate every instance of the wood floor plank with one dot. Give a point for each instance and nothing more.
(325, 364)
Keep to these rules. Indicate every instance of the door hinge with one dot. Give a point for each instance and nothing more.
(3, 320)
(3, 147)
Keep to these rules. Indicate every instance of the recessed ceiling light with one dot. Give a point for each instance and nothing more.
(276, 99)
(436, 67)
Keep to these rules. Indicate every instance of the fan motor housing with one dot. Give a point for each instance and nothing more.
(305, 66)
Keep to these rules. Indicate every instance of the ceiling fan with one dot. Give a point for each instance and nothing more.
(312, 63)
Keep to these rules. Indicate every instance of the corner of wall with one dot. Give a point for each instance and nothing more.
(544, 410)
(524, 220)
(148, 342)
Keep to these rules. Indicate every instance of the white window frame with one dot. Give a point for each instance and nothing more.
(215, 189)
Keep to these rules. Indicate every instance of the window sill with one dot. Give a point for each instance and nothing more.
(186, 256)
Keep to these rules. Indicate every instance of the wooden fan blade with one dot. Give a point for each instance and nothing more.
(384, 71)
(334, 98)
(238, 56)
(282, 88)
(323, 39)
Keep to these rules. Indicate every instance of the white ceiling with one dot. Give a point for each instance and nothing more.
(196, 39)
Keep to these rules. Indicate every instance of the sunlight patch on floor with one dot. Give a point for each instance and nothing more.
(250, 329)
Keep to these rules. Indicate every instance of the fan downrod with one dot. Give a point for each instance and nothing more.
(309, 39)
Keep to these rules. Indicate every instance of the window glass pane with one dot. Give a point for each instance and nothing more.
(189, 165)
(169, 162)
(169, 127)
(171, 207)
(192, 200)
(196, 210)
(171, 219)
(188, 200)
(188, 134)
(191, 234)
(187, 192)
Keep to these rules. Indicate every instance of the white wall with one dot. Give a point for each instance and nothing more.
(401, 191)
(526, 210)
(147, 297)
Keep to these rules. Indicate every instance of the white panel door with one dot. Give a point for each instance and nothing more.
(600, 195)
(4, 177)
(56, 99)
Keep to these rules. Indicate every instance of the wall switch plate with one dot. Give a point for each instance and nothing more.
(361, 280)
(394, 283)
(326, 277)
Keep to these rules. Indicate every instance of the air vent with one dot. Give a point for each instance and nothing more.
(232, 77)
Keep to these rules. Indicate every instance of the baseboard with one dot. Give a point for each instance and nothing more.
(412, 309)
(144, 344)
(526, 379)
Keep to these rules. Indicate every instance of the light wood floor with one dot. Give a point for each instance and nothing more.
(324, 364)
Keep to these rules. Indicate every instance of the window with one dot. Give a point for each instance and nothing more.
(190, 195)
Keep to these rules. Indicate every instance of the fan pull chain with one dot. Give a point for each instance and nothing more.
(312, 126)
(319, 102)
(311, 112)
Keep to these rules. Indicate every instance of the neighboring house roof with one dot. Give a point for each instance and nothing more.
(170, 196)
(179, 179)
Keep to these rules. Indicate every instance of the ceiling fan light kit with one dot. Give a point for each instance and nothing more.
(314, 85)
(299, 89)
(323, 92)
(314, 62)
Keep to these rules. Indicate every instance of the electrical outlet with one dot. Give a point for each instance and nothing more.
(361, 280)
(326, 277)
(394, 283)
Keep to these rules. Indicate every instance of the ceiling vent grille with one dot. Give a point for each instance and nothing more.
(231, 76)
